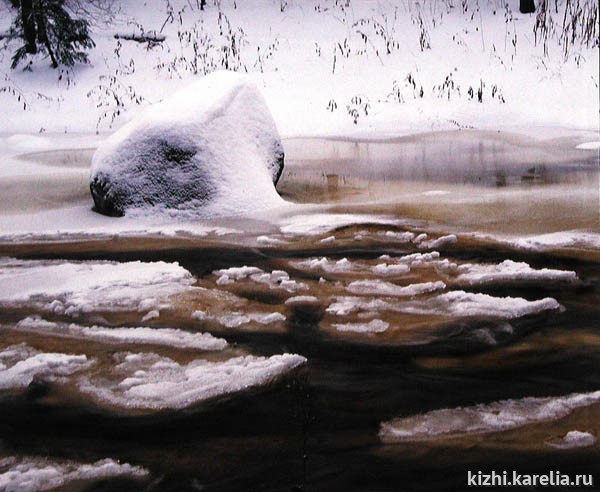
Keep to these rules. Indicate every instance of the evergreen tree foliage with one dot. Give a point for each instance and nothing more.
(46, 27)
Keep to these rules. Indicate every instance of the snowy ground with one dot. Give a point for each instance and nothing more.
(326, 67)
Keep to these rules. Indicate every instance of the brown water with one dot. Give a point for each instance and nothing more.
(318, 427)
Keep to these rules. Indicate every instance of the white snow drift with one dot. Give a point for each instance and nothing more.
(211, 148)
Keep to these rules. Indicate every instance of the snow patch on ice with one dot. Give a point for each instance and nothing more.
(169, 337)
(508, 270)
(437, 243)
(148, 381)
(456, 303)
(554, 240)
(302, 300)
(74, 287)
(331, 266)
(492, 417)
(235, 319)
(461, 303)
(385, 269)
(379, 287)
(20, 364)
(403, 237)
(28, 474)
(277, 279)
(589, 145)
(374, 326)
(574, 439)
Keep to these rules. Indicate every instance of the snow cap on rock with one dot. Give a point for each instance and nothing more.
(212, 148)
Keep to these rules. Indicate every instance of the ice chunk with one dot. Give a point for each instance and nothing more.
(436, 243)
(277, 279)
(169, 337)
(74, 287)
(563, 239)
(385, 269)
(379, 287)
(373, 326)
(212, 148)
(574, 439)
(28, 474)
(492, 417)
(302, 300)
(20, 364)
(235, 319)
(456, 303)
(461, 303)
(331, 266)
(403, 237)
(508, 270)
(577, 239)
(148, 381)
(589, 145)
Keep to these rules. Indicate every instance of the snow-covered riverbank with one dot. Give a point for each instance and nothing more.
(361, 68)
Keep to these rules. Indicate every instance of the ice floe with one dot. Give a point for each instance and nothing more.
(589, 145)
(169, 337)
(71, 288)
(302, 300)
(574, 439)
(235, 319)
(437, 243)
(403, 237)
(379, 287)
(414, 259)
(385, 269)
(277, 279)
(373, 326)
(574, 239)
(492, 417)
(508, 270)
(147, 381)
(456, 303)
(29, 474)
(21, 364)
(330, 266)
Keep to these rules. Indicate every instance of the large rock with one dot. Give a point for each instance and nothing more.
(211, 148)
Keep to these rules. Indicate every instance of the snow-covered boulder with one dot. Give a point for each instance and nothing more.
(211, 148)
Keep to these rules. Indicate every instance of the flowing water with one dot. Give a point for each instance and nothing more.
(443, 288)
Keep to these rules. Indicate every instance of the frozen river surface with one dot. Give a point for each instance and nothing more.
(422, 307)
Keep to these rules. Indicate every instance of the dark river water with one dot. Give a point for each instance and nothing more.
(321, 425)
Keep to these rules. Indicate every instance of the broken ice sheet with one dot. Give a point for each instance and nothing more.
(31, 474)
(168, 337)
(137, 381)
(72, 288)
(484, 418)
(147, 381)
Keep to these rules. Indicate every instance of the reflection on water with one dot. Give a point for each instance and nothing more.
(398, 319)
(462, 157)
